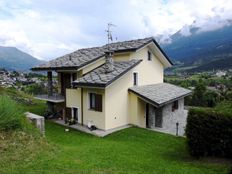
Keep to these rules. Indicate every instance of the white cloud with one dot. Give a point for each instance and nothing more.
(47, 29)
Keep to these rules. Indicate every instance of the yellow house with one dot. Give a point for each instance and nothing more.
(115, 85)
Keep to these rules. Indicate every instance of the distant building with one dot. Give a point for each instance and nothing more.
(220, 73)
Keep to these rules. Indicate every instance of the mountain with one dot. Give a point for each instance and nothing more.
(201, 51)
(12, 58)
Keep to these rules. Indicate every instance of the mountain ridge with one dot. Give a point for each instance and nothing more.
(201, 50)
(11, 58)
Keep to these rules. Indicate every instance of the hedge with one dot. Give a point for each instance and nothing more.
(209, 133)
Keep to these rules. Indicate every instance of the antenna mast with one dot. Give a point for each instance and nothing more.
(109, 33)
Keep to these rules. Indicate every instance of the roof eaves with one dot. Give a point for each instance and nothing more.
(54, 68)
(65, 67)
(177, 98)
(162, 51)
(147, 99)
(159, 104)
(108, 83)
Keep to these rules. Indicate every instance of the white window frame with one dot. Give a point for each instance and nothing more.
(89, 99)
(72, 112)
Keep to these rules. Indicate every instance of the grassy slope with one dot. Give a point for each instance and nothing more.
(132, 150)
(35, 106)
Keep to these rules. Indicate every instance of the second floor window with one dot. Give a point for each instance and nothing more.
(135, 78)
(95, 102)
(149, 56)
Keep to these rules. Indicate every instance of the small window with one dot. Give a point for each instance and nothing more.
(95, 102)
(135, 78)
(175, 105)
(149, 56)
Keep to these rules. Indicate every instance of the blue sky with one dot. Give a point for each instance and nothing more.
(47, 29)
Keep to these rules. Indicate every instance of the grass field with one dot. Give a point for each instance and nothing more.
(133, 150)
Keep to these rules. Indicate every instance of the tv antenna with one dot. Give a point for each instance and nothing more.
(109, 33)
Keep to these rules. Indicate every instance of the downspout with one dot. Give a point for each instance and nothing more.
(82, 121)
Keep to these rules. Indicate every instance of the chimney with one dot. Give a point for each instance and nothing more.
(109, 65)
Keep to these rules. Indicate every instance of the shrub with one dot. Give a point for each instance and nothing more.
(212, 98)
(11, 115)
(209, 133)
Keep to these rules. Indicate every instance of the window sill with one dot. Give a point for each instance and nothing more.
(94, 110)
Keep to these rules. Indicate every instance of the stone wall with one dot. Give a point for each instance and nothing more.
(169, 118)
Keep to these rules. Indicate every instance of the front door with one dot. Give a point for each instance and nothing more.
(75, 114)
(147, 115)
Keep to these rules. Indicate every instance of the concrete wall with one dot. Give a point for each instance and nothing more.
(97, 118)
(170, 118)
(137, 108)
(121, 57)
(73, 99)
(149, 72)
(117, 102)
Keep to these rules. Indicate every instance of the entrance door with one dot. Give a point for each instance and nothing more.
(147, 115)
(158, 117)
(75, 114)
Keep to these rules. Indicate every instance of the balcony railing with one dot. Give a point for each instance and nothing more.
(55, 98)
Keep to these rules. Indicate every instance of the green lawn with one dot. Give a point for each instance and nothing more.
(132, 150)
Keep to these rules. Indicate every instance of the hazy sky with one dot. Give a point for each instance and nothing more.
(50, 28)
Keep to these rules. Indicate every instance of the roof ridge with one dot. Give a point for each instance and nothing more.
(150, 38)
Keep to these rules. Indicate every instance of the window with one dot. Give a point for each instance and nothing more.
(95, 102)
(175, 105)
(149, 56)
(135, 78)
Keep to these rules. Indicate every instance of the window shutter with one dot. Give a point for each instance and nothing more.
(98, 104)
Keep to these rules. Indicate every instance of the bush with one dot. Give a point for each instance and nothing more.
(11, 115)
(211, 98)
(209, 133)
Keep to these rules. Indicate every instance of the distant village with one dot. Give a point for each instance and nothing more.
(216, 73)
(217, 80)
(19, 80)
(13, 78)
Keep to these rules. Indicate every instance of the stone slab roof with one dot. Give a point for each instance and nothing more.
(161, 93)
(82, 57)
(99, 78)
